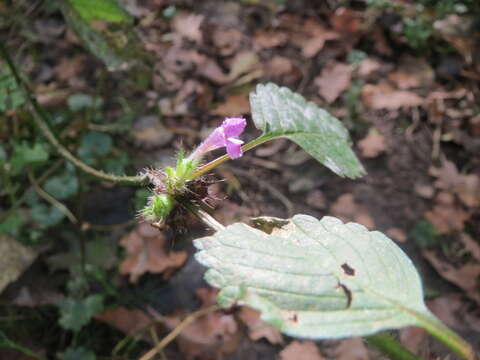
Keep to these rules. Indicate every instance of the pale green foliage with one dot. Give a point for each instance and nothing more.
(315, 278)
(76, 313)
(279, 112)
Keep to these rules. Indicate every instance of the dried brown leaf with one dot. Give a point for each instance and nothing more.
(257, 328)
(236, 104)
(373, 144)
(351, 349)
(383, 96)
(301, 350)
(334, 79)
(145, 247)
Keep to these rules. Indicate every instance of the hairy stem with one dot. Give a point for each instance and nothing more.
(214, 163)
(41, 121)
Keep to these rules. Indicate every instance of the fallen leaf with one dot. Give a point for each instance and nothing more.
(215, 333)
(242, 63)
(316, 36)
(368, 67)
(128, 321)
(397, 234)
(149, 132)
(279, 65)
(424, 190)
(465, 277)
(383, 96)
(447, 218)
(267, 39)
(472, 246)
(227, 41)
(188, 26)
(413, 337)
(455, 312)
(373, 144)
(466, 187)
(257, 328)
(351, 349)
(346, 20)
(16, 258)
(412, 73)
(317, 200)
(334, 79)
(346, 209)
(301, 350)
(234, 105)
(145, 247)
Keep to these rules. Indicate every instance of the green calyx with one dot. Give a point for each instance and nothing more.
(158, 208)
(175, 178)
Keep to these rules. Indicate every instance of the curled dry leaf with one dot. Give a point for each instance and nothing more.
(383, 96)
(334, 79)
(447, 216)
(257, 328)
(412, 73)
(373, 144)
(301, 350)
(145, 247)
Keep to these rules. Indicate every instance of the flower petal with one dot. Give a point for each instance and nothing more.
(234, 148)
(233, 127)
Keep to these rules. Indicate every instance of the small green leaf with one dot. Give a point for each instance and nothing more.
(46, 216)
(25, 154)
(316, 278)
(62, 186)
(279, 112)
(76, 313)
(79, 353)
(108, 10)
(11, 96)
(93, 145)
(79, 101)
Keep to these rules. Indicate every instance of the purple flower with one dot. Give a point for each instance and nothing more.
(226, 135)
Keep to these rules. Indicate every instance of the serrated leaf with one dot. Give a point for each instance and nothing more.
(76, 313)
(316, 278)
(279, 112)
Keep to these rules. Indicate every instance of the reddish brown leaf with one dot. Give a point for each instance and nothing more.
(145, 247)
(373, 144)
(383, 96)
(257, 328)
(334, 79)
(301, 350)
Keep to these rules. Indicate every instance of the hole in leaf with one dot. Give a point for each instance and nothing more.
(348, 270)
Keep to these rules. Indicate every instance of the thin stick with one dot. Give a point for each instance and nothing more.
(50, 199)
(175, 332)
(41, 121)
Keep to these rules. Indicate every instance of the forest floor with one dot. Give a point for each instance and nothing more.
(403, 78)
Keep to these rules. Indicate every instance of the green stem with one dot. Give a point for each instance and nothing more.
(41, 122)
(214, 163)
(437, 329)
(390, 347)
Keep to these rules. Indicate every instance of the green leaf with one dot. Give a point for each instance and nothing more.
(110, 37)
(79, 101)
(25, 154)
(76, 313)
(64, 185)
(46, 216)
(316, 278)
(11, 96)
(279, 112)
(79, 353)
(108, 10)
(93, 145)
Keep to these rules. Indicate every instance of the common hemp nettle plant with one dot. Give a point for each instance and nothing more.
(310, 278)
